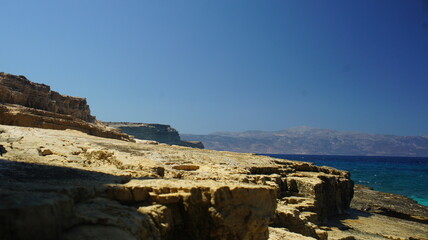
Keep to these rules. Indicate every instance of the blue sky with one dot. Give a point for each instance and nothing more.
(206, 66)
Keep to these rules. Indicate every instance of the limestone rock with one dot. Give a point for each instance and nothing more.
(19, 90)
(212, 210)
(371, 226)
(285, 234)
(123, 221)
(33, 215)
(135, 190)
(16, 115)
(186, 167)
(60, 183)
(28, 104)
(367, 199)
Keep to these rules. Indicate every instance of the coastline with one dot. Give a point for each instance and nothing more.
(406, 176)
(394, 205)
(91, 179)
(59, 182)
(375, 215)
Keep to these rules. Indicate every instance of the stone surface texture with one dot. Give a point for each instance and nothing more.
(19, 90)
(389, 204)
(67, 184)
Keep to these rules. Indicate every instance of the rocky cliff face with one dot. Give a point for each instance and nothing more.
(64, 184)
(19, 90)
(155, 132)
(24, 103)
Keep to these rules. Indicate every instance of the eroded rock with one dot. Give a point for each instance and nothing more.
(128, 189)
(394, 205)
(19, 90)
(29, 104)
(33, 215)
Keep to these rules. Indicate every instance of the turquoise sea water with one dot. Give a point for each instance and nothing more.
(406, 176)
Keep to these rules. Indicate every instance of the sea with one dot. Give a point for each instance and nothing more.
(406, 176)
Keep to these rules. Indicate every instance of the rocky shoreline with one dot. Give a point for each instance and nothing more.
(379, 215)
(70, 185)
(53, 178)
(61, 180)
(388, 204)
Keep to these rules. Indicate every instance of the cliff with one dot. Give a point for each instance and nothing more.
(155, 132)
(19, 90)
(28, 104)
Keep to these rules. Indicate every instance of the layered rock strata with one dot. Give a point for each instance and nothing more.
(66, 184)
(28, 104)
(156, 132)
(19, 90)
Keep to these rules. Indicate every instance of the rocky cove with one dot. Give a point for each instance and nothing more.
(66, 175)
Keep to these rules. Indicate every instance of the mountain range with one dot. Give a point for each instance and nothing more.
(315, 141)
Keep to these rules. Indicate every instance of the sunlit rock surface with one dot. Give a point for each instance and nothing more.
(58, 182)
(29, 104)
(76, 185)
(19, 90)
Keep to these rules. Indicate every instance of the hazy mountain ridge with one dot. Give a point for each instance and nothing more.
(307, 140)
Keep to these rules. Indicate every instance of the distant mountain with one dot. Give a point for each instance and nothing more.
(307, 140)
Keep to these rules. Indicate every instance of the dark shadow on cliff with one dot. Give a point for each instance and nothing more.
(350, 214)
(2, 150)
(39, 201)
(15, 175)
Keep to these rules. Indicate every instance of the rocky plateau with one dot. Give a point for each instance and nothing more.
(59, 181)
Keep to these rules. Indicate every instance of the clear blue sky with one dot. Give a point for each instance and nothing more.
(206, 66)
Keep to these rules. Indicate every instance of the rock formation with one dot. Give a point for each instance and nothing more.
(24, 103)
(155, 132)
(57, 182)
(389, 204)
(76, 186)
(19, 90)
